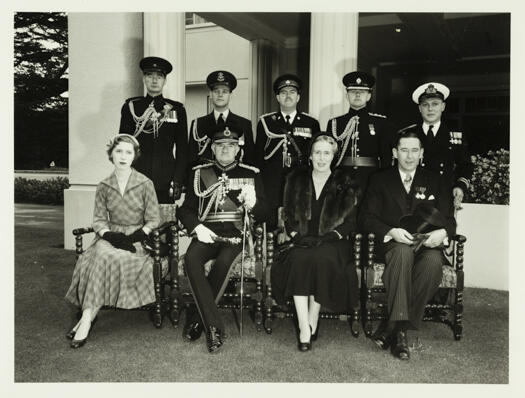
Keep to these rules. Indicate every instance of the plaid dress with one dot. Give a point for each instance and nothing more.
(108, 276)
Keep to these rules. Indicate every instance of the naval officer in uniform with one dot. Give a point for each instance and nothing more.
(446, 150)
(221, 84)
(213, 208)
(159, 125)
(282, 140)
(364, 138)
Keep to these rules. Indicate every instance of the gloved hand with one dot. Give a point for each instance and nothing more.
(177, 190)
(329, 237)
(138, 236)
(115, 238)
(119, 241)
(305, 241)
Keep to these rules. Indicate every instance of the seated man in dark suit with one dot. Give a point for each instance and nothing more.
(410, 278)
(213, 212)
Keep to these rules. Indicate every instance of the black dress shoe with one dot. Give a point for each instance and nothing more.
(400, 348)
(192, 331)
(71, 334)
(304, 346)
(316, 334)
(78, 343)
(383, 336)
(214, 339)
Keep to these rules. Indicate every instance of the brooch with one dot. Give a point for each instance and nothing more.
(420, 192)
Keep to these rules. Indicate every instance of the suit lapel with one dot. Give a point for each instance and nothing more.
(396, 187)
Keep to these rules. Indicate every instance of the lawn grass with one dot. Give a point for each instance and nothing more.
(125, 347)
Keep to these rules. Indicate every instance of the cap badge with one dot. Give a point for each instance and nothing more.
(430, 89)
(154, 65)
(220, 77)
(227, 132)
(358, 80)
(287, 81)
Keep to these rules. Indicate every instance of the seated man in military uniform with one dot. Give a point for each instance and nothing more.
(213, 211)
(159, 125)
(282, 140)
(221, 84)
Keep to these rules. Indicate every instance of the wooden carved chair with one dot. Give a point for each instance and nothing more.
(273, 310)
(160, 272)
(446, 306)
(180, 294)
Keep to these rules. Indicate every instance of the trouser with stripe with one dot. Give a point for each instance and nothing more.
(410, 280)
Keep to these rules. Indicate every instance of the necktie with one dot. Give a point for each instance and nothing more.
(407, 182)
(220, 119)
(288, 120)
(430, 135)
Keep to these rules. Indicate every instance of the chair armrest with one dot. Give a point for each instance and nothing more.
(162, 229)
(81, 231)
(459, 238)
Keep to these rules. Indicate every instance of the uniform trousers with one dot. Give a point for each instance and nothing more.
(411, 280)
(206, 290)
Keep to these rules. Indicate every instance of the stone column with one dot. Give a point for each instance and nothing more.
(262, 56)
(333, 53)
(165, 36)
(104, 51)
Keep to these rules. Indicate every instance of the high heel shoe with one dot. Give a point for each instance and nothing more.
(80, 343)
(304, 346)
(71, 334)
(316, 334)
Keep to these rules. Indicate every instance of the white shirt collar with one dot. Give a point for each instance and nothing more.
(292, 115)
(435, 127)
(403, 174)
(224, 114)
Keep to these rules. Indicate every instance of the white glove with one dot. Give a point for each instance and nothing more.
(247, 196)
(204, 234)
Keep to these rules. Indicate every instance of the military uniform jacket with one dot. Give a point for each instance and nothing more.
(449, 156)
(232, 178)
(386, 201)
(157, 160)
(373, 140)
(199, 144)
(271, 140)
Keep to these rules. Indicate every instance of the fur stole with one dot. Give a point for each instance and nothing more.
(342, 195)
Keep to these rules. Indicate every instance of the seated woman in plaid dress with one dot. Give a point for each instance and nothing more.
(115, 270)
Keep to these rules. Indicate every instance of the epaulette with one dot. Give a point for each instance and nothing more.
(267, 114)
(252, 168)
(377, 115)
(201, 166)
(133, 99)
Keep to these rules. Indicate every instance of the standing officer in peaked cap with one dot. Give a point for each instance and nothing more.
(282, 140)
(446, 151)
(212, 211)
(364, 137)
(160, 126)
(221, 84)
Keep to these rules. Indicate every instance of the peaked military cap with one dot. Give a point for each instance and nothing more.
(227, 132)
(287, 80)
(430, 90)
(358, 80)
(155, 64)
(221, 77)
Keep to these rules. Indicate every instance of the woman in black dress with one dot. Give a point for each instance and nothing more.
(319, 213)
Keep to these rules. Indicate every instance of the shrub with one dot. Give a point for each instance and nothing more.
(49, 192)
(490, 179)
